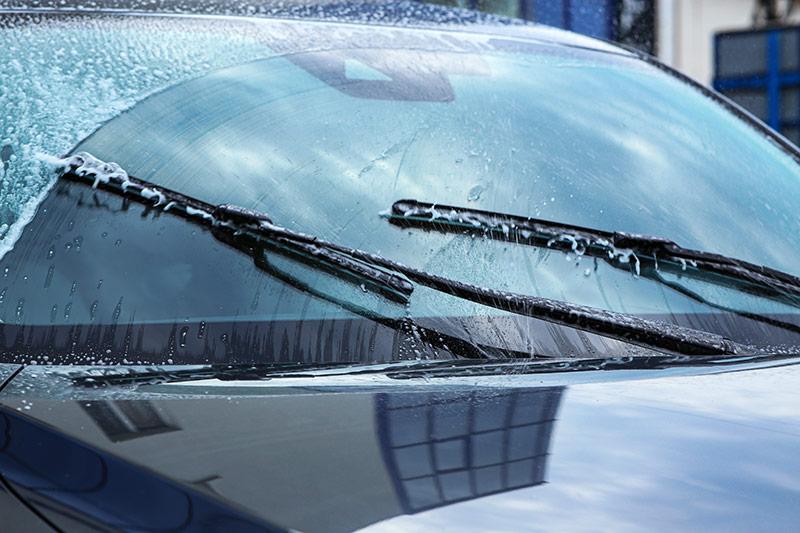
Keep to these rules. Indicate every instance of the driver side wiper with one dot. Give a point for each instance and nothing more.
(86, 168)
(239, 221)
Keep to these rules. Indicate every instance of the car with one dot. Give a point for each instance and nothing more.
(385, 267)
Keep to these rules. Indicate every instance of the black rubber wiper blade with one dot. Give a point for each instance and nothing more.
(86, 168)
(628, 250)
(627, 328)
(258, 225)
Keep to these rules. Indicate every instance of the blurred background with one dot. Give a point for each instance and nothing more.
(747, 49)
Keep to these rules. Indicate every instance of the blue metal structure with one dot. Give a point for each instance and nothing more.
(596, 18)
(627, 21)
(760, 70)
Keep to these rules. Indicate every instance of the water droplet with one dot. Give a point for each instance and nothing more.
(67, 310)
(53, 313)
(51, 252)
(117, 311)
(363, 288)
(3, 295)
(73, 288)
(68, 246)
(104, 234)
(99, 284)
(93, 310)
(118, 242)
(20, 310)
(184, 333)
(71, 225)
(201, 330)
(256, 299)
(78, 241)
(587, 272)
(474, 193)
(49, 278)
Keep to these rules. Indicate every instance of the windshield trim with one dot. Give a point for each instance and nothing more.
(228, 374)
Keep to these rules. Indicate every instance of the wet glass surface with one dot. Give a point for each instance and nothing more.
(306, 138)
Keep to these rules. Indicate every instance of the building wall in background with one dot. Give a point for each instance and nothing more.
(685, 31)
(682, 34)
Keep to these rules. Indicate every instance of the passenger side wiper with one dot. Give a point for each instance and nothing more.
(644, 255)
(239, 221)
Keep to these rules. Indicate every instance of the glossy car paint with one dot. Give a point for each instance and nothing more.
(604, 450)
(17, 513)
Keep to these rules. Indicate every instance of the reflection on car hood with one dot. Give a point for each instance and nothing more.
(701, 451)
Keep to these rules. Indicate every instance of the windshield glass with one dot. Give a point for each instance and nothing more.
(325, 140)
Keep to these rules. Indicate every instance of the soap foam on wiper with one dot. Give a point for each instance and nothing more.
(577, 243)
(85, 164)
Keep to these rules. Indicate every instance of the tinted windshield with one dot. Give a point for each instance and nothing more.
(326, 141)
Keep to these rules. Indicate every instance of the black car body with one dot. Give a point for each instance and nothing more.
(453, 272)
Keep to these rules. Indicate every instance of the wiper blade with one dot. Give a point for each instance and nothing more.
(259, 225)
(85, 167)
(643, 254)
(240, 221)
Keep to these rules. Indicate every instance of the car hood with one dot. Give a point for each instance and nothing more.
(621, 450)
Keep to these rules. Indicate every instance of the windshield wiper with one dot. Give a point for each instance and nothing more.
(239, 221)
(643, 254)
(85, 167)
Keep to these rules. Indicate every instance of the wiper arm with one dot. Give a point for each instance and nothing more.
(643, 254)
(85, 167)
(627, 328)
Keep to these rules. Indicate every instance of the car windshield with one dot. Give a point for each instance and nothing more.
(325, 138)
